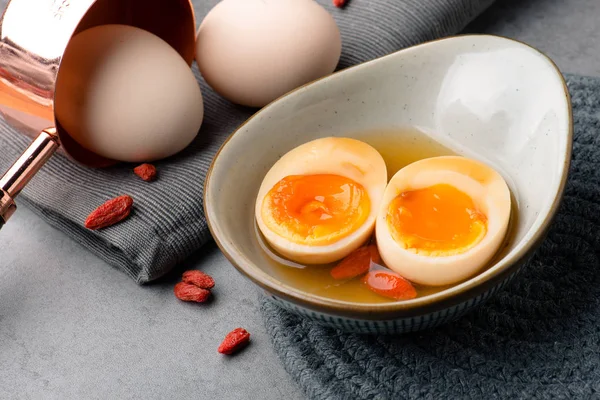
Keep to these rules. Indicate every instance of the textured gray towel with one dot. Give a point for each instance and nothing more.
(538, 338)
(168, 222)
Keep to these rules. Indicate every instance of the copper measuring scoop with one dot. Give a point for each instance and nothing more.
(33, 37)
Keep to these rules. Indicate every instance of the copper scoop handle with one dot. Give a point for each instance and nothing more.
(21, 172)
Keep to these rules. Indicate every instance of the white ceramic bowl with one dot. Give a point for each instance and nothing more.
(485, 97)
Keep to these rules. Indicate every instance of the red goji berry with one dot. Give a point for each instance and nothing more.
(356, 263)
(188, 292)
(389, 284)
(339, 3)
(109, 213)
(234, 341)
(198, 278)
(145, 171)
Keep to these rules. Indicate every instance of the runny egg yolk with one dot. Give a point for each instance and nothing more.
(439, 220)
(315, 209)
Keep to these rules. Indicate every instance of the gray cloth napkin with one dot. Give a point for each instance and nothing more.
(537, 339)
(168, 222)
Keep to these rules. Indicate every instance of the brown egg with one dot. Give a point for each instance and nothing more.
(125, 94)
(253, 51)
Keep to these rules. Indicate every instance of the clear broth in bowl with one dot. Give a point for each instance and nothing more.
(398, 148)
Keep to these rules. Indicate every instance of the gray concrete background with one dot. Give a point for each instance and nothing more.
(72, 327)
(568, 31)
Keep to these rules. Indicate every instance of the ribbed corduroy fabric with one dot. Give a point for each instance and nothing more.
(539, 338)
(168, 222)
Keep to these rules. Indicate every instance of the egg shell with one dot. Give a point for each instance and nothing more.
(125, 94)
(253, 51)
(490, 194)
(346, 157)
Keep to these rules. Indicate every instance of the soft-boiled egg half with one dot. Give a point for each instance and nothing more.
(319, 202)
(442, 219)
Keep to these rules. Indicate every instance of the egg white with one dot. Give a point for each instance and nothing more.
(345, 157)
(489, 192)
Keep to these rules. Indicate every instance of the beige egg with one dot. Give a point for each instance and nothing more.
(253, 51)
(125, 94)
(319, 202)
(442, 219)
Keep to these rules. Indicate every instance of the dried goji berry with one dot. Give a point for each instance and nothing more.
(356, 263)
(339, 3)
(145, 171)
(198, 278)
(109, 213)
(389, 284)
(188, 292)
(234, 341)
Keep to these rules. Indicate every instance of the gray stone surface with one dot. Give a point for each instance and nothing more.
(566, 30)
(71, 327)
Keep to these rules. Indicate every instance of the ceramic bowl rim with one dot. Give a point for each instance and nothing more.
(505, 265)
